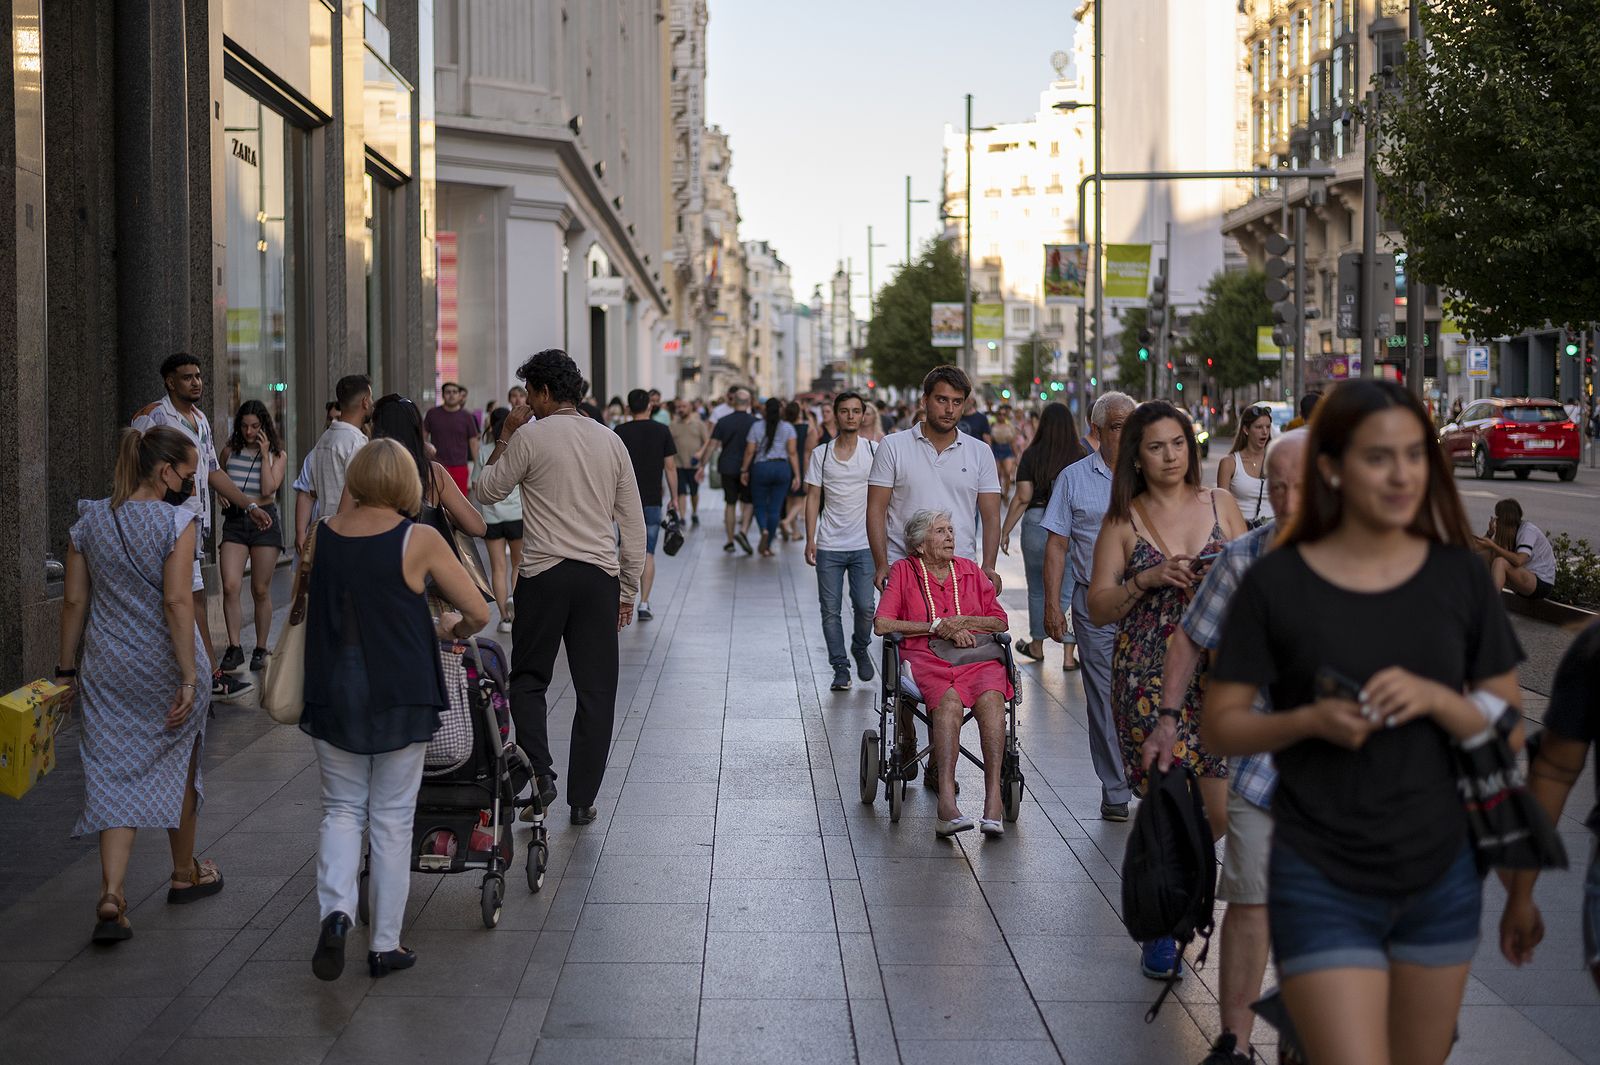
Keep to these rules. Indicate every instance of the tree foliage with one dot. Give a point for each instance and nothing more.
(1234, 307)
(1024, 368)
(900, 338)
(1132, 371)
(1488, 162)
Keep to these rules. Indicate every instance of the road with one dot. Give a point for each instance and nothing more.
(1571, 507)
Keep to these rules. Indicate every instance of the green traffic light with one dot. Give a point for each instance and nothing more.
(1572, 350)
(1144, 354)
(1005, 393)
(1094, 382)
(1180, 386)
(1044, 396)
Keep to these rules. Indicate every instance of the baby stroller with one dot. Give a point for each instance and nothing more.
(470, 782)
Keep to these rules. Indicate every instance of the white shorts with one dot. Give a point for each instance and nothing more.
(1244, 862)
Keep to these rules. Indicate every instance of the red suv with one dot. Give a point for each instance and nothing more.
(1520, 435)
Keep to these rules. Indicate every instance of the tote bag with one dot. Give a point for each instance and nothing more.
(283, 689)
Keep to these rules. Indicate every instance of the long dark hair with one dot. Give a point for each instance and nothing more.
(394, 417)
(1056, 443)
(773, 414)
(1250, 416)
(236, 441)
(1127, 482)
(1441, 517)
(1507, 523)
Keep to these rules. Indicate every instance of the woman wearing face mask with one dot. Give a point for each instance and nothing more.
(128, 602)
(1242, 471)
(1381, 643)
(254, 461)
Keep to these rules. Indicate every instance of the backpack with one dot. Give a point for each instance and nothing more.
(1169, 871)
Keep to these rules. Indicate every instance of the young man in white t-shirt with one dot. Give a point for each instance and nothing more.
(836, 536)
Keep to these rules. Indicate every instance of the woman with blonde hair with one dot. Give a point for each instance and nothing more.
(374, 690)
(128, 601)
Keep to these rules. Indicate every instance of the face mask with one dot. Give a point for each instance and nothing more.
(181, 495)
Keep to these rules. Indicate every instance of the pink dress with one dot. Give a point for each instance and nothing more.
(905, 599)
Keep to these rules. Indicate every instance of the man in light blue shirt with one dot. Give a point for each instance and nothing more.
(1078, 503)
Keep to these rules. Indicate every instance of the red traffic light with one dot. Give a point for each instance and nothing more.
(872, 383)
(1169, 365)
(1035, 380)
(1208, 360)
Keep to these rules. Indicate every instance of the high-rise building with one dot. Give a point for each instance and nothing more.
(553, 152)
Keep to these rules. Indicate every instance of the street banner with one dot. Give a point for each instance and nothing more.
(1478, 360)
(1127, 275)
(988, 321)
(948, 325)
(1266, 348)
(1064, 273)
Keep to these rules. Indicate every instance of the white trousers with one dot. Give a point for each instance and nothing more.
(376, 793)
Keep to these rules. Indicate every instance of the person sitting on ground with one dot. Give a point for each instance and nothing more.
(932, 592)
(1518, 553)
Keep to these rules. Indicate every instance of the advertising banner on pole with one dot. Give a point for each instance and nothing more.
(1266, 348)
(949, 325)
(1064, 273)
(1127, 275)
(988, 322)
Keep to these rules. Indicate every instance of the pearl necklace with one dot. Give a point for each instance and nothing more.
(927, 590)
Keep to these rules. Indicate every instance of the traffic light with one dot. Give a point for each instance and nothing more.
(1572, 349)
(1157, 315)
(1208, 360)
(1169, 364)
(1278, 290)
(1036, 380)
(1178, 385)
(1005, 393)
(1144, 354)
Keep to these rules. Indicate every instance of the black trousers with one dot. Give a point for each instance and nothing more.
(576, 603)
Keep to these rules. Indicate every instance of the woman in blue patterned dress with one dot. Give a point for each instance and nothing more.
(128, 601)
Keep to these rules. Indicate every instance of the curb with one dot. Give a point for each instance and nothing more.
(1547, 610)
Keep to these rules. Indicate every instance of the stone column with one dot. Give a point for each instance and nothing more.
(152, 180)
(577, 301)
(534, 239)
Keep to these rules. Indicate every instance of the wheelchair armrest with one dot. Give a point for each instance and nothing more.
(1002, 638)
(894, 637)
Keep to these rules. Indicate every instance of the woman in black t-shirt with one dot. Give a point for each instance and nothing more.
(1367, 625)
(1054, 447)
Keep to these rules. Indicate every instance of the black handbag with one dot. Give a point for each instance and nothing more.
(672, 533)
(1510, 830)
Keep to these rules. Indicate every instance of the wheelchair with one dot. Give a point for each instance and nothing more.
(880, 759)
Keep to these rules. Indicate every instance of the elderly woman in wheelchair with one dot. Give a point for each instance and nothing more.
(944, 609)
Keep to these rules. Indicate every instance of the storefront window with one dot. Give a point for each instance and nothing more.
(379, 201)
(263, 175)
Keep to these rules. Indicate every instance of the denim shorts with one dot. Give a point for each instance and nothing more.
(652, 528)
(1317, 925)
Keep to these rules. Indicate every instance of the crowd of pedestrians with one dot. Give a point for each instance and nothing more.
(1311, 639)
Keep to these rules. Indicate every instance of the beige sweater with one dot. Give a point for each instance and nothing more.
(578, 488)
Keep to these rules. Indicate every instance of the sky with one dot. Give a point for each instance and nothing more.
(828, 105)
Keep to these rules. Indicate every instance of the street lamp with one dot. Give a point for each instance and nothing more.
(1067, 106)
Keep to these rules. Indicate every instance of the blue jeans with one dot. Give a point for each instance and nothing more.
(1034, 538)
(769, 487)
(831, 569)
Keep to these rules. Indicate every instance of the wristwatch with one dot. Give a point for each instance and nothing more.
(248, 507)
(1167, 711)
(933, 625)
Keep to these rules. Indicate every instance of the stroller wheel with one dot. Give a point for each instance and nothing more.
(494, 892)
(538, 862)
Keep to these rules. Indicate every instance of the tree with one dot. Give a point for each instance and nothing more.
(900, 338)
(1487, 161)
(1132, 370)
(1026, 367)
(1234, 307)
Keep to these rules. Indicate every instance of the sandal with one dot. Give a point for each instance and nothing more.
(113, 928)
(204, 881)
(1033, 649)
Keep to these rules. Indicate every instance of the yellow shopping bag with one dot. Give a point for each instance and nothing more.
(29, 720)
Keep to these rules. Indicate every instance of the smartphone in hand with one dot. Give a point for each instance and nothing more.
(1331, 684)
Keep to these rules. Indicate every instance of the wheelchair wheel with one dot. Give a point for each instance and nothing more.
(1011, 796)
(494, 892)
(897, 797)
(869, 766)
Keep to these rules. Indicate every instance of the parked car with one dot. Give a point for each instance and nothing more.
(1283, 413)
(1520, 435)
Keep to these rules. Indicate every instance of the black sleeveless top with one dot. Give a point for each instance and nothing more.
(373, 682)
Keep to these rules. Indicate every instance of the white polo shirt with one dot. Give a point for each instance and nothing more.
(926, 479)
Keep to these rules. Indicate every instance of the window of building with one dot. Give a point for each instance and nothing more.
(1324, 25)
(380, 248)
(1260, 66)
(1315, 82)
(1055, 148)
(1284, 112)
(1264, 124)
(1021, 317)
(1341, 140)
(265, 178)
(1055, 314)
(1280, 51)
(1336, 82)
(1302, 39)
(1390, 49)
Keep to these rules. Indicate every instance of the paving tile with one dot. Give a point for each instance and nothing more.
(1576, 1028)
(775, 1033)
(241, 898)
(773, 965)
(46, 931)
(672, 835)
(927, 935)
(1083, 968)
(961, 1002)
(849, 908)
(640, 932)
(767, 817)
(671, 741)
(1500, 1034)
(155, 963)
(651, 878)
(629, 1000)
(771, 905)
(395, 1030)
(668, 799)
(1045, 908)
(54, 1029)
(862, 978)
(1116, 1034)
(283, 998)
(966, 1051)
(19, 978)
(481, 964)
(252, 1050)
(759, 857)
(614, 1052)
(672, 768)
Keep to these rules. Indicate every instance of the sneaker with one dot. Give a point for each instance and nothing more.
(841, 680)
(644, 612)
(695, 521)
(504, 626)
(258, 660)
(1113, 811)
(744, 543)
(226, 688)
(1160, 959)
(728, 547)
(864, 668)
(232, 659)
(1225, 1051)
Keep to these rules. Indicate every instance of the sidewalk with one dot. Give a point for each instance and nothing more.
(735, 902)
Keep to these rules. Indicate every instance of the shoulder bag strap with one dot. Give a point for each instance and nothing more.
(1138, 506)
(302, 578)
(1261, 488)
(117, 520)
